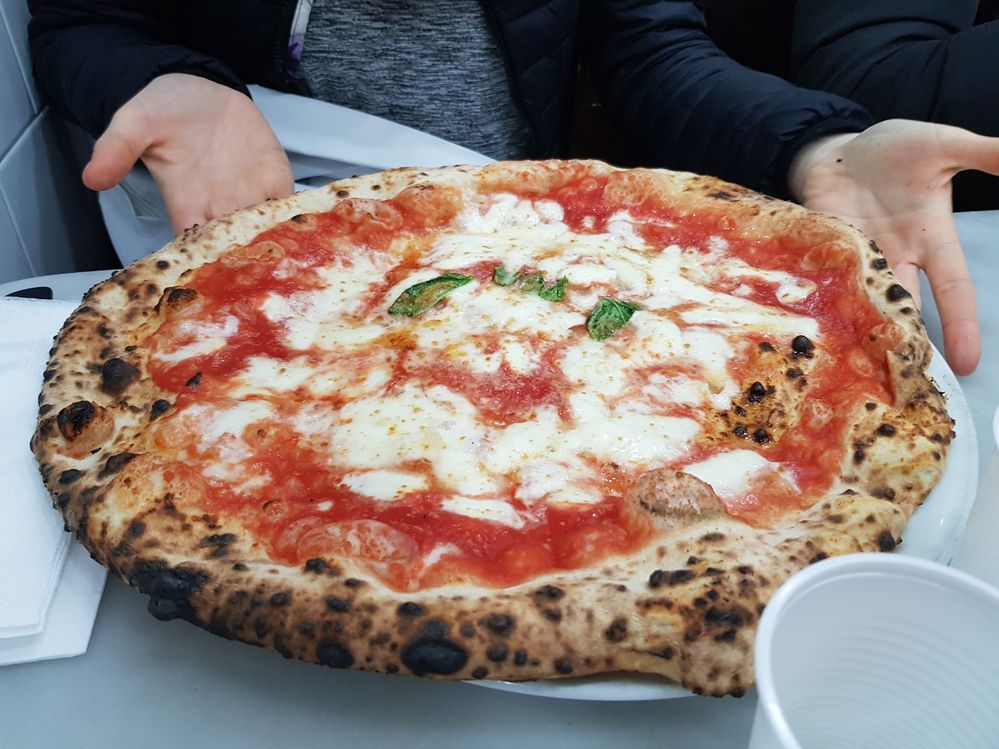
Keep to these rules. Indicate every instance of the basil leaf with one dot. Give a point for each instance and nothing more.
(555, 292)
(532, 283)
(503, 277)
(608, 317)
(420, 297)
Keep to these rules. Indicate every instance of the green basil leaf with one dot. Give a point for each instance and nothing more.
(608, 317)
(555, 292)
(420, 297)
(532, 283)
(503, 277)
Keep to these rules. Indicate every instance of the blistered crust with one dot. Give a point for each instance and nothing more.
(685, 607)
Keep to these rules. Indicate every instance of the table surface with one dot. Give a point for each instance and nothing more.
(155, 684)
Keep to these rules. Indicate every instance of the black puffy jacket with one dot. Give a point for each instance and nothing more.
(671, 94)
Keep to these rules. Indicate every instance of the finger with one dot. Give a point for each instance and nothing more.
(186, 211)
(971, 151)
(115, 153)
(954, 293)
(908, 275)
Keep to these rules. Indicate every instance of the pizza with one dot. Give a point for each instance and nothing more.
(521, 421)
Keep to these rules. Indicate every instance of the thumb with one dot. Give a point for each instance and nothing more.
(115, 153)
(972, 151)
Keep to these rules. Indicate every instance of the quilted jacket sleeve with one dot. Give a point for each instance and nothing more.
(682, 103)
(91, 56)
(927, 62)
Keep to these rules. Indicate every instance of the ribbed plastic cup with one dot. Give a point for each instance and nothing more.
(979, 549)
(877, 650)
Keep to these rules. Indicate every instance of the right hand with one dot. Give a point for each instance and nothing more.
(208, 147)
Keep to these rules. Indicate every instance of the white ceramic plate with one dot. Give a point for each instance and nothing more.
(933, 533)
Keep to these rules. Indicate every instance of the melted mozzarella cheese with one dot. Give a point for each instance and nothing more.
(437, 425)
(494, 510)
(731, 474)
(327, 318)
(384, 485)
(208, 337)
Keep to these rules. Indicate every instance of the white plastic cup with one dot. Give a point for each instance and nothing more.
(978, 553)
(878, 650)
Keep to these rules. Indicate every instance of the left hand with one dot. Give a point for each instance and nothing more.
(893, 182)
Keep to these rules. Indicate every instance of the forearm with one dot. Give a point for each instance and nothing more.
(91, 57)
(681, 103)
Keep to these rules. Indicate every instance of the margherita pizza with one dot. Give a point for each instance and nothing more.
(512, 422)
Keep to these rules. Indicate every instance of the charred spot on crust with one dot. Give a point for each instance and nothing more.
(870, 406)
(334, 655)
(802, 346)
(739, 430)
(896, 292)
(761, 436)
(339, 605)
(299, 218)
(858, 455)
(69, 476)
(176, 297)
(162, 264)
(883, 492)
(480, 673)
(498, 624)
(756, 392)
(879, 263)
(74, 418)
(353, 583)
(497, 653)
(410, 609)
(766, 347)
(115, 463)
(169, 589)
(116, 375)
(194, 381)
(315, 565)
(793, 373)
(158, 408)
(433, 653)
(617, 631)
(520, 658)
(280, 599)
(673, 577)
(563, 666)
(729, 619)
(714, 536)
(550, 592)
(886, 430)
(342, 194)
(136, 528)
(886, 541)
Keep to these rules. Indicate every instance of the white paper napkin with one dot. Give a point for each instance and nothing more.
(33, 544)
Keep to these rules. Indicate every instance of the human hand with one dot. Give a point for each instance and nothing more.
(208, 147)
(893, 182)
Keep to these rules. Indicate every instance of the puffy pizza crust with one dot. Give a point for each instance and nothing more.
(685, 607)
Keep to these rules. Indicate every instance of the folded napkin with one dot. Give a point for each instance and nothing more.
(33, 544)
